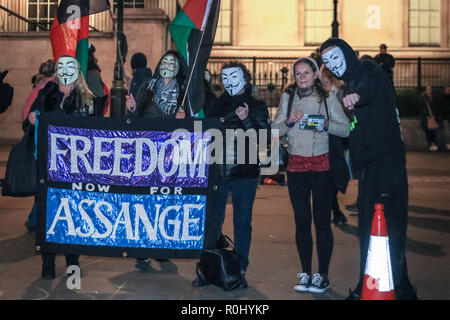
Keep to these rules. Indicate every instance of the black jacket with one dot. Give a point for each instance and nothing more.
(375, 134)
(424, 102)
(258, 118)
(49, 100)
(145, 104)
(140, 76)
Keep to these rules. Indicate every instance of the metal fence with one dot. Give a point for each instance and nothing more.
(270, 74)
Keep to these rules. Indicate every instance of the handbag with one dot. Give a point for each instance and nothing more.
(21, 168)
(339, 170)
(431, 120)
(220, 266)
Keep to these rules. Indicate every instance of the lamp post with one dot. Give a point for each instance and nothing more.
(118, 91)
(335, 24)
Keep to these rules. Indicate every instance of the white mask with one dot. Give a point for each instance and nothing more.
(67, 70)
(233, 80)
(334, 60)
(169, 66)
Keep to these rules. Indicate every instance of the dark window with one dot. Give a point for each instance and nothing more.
(42, 11)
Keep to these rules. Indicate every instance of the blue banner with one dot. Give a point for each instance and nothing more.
(111, 189)
(125, 220)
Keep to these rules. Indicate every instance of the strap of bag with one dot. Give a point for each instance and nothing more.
(289, 106)
(428, 106)
(326, 108)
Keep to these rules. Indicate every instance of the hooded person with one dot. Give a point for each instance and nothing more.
(377, 153)
(141, 73)
(162, 95)
(238, 175)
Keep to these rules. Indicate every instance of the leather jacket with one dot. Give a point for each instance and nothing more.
(258, 118)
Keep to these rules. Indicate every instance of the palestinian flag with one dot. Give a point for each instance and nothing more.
(70, 30)
(193, 31)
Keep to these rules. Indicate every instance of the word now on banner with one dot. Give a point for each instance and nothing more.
(125, 187)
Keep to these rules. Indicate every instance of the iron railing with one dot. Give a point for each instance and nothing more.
(270, 74)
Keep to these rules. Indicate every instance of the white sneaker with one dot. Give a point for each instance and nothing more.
(319, 284)
(447, 146)
(433, 148)
(304, 283)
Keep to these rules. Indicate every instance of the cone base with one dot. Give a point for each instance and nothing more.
(370, 291)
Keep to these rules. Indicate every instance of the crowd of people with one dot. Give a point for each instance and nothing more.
(354, 102)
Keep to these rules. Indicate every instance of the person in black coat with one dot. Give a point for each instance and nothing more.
(239, 110)
(377, 153)
(141, 74)
(428, 108)
(68, 94)
(161, 97)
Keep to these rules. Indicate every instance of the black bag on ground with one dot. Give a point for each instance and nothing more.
(21, 168)
(220, 266)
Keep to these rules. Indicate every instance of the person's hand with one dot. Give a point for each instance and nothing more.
(242, 112)
(181, 114)
(32, 118)
(130, 103)
(295, 116)
(350, 100)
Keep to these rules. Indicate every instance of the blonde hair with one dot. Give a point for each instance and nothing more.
(85, 96)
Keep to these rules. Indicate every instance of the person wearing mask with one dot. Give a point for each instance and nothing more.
(240, 110)
(308, 170)
(141, 74)
(330, 84)
(427, 105)
(69, 95)
(161, 97)
(377, 154)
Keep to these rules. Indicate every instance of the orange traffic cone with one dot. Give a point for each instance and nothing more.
(378, 282)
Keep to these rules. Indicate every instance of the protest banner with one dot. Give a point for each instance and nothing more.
(125, 187)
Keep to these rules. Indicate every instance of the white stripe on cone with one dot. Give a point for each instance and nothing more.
(378, 264)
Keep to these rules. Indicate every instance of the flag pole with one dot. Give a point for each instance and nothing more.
(192, 70)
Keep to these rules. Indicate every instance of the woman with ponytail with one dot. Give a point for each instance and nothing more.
(308, 169)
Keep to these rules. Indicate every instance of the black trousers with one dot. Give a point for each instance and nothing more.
(386, 184)
(430, 135)
(301, 186)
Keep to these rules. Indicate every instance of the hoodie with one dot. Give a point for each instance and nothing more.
(375, 133)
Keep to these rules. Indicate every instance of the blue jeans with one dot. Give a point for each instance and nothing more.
(243, 195)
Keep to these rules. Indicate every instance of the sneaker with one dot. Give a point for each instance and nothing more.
(433, 147)
(319, 284)
(305, 282)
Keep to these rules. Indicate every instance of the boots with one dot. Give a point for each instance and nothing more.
(48, 265)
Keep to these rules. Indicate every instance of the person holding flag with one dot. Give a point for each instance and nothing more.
(193, 31)
(161, 96)
(70, 30)
(69, 93)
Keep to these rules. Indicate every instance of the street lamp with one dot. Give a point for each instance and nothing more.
(118, 91)
(335, 24)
